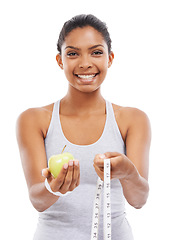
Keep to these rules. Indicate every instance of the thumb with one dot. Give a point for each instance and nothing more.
(112, 154)
(46, 173)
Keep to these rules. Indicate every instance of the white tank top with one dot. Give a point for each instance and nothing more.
(70, 218)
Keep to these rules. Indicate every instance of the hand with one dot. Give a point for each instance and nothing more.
(121, 166)
(68, 178)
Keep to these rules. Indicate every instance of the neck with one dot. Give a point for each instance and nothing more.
(81, 103)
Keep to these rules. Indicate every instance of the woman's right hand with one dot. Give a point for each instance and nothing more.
(68, 178)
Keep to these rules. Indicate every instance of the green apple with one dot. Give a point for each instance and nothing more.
(56, 162)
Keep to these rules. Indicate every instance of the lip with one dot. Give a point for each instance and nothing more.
(86, 80)
(89, 73)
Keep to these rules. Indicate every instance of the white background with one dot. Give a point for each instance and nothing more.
(30, 77)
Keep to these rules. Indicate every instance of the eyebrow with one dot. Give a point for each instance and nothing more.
(95, 46)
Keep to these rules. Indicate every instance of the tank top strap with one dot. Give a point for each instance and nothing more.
(111, 122)
(54, 120)
(110, 111)
(111, 114)
(56, 110)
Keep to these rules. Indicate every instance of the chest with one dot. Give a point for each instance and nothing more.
(83, 130)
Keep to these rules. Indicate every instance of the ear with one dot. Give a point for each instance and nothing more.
(111, 57)
(59, 60)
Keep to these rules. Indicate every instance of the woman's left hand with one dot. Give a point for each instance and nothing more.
(121, 166)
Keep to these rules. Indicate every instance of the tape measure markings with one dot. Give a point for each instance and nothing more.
(107, 205)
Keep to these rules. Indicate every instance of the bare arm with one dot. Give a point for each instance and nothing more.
(135, 186)
(31, 127)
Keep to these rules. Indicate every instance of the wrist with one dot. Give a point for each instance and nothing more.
(58, 194)
(132, 172)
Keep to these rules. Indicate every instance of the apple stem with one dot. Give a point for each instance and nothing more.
(63, 148)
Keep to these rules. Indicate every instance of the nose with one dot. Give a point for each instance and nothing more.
(85, 62)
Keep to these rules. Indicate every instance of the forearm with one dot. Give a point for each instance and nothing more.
(40, 197)
(135, 188)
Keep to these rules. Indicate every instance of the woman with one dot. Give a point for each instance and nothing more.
(93, 129)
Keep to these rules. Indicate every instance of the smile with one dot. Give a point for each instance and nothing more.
(86, 76)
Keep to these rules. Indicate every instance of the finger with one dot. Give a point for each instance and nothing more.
(75, 176)
(68, 178)
(78, 177)
(99, 172)
(77, 173)
(112, 154)
(78, 180)
(99, 160)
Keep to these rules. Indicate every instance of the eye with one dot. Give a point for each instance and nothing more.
(97, 52)
(72, 54)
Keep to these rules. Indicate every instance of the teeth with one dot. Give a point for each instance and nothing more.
(86, 76)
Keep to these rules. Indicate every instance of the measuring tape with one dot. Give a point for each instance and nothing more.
(107, 206)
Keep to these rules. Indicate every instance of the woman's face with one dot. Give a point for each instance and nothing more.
(85, 59)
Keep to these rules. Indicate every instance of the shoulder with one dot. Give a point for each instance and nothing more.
(130, 115)
(131, 119)
(35, 118)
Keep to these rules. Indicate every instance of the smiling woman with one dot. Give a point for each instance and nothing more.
(93, 130)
